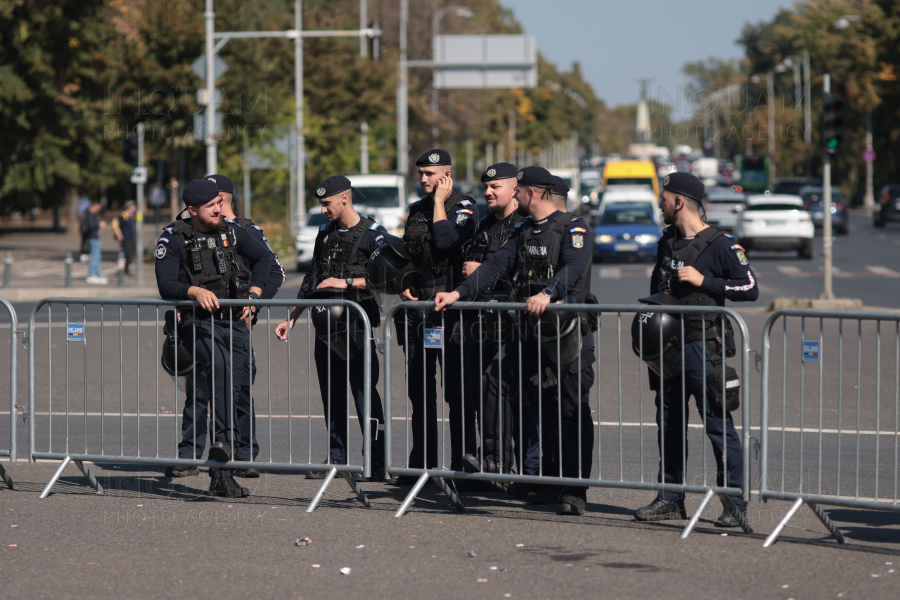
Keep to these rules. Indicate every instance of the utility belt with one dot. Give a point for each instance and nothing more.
(201, 316)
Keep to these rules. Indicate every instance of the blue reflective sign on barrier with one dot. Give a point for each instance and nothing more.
(434, 338)
(810, 351)
(75, 332)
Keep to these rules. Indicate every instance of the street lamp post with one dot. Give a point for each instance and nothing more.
(869, 199)
(770, 94)
(801, 63)
(462, 12)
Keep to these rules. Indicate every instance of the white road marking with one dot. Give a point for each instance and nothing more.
(838, 273)
(610, 273)
(882, 271)
(791, 270)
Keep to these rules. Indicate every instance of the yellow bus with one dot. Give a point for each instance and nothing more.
(631, 173)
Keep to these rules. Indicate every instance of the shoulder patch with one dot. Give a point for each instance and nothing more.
(466, 210)
(169, 229)
(162, 239)
(228, 220)
(465, 203)
(578, 240)
(324, 227)
(461, 217)
(578, 230)
(739, 252)
(374, 226)
(160, 251)
(257, 227)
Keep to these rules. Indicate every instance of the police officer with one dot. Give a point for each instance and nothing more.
(340, 257)
(199, 258)
(273, 283)
(437, 228)
(560, 194)
(697, 264)
(550, 262)
(492, 391)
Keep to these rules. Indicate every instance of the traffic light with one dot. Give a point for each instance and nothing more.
(130, 150)
(831, 134)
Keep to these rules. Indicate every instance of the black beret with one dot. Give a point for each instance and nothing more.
(560, 188)
(499, 171)
(536, 176)
(199, 191)
(434, 158)
(333, 185)
(223, 182)
(685, 184)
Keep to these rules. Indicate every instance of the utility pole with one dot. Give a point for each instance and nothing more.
(246, 180)
(402, 96)
(211, 141)
(807, 134)
(363, 21)
(364, 148)
(299, 211)
(770, 85)
(139, 217)
(827, 241)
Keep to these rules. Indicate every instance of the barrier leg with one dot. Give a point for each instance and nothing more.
(454, 498)
(52, 482)
(6, 478)
(741, 517)
(787, 517)
(90, 476)
(828, 523)
(696, 516)
(329, 477)
(407, 502)
(354, 485)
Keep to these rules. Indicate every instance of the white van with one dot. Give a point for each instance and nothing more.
(381, 196)
(631, 195)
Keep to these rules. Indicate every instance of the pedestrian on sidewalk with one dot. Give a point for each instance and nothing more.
(124, 229)
(81, 208)
(93, 225)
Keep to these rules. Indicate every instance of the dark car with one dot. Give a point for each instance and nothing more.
(889, 207)
(812, 201)
(793, 185)
(625, 231)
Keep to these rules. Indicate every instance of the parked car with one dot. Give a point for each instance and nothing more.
(305, 242)
(888, 209)
(812, 201)
(775, 222)
(625, 231)
(723, 206)
(792, 185)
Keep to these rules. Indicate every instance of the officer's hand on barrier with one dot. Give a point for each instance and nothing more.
(282, 329)
(246, 316)
(445, 299)
(690, 275)
(469, 268)
(537, 304)
(407, 295)
(204, 297)
(333, 282)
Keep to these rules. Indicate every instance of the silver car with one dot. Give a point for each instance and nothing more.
(724, 206)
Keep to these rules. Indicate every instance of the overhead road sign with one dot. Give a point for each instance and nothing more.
(484, 61)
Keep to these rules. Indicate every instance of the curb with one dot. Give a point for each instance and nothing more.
(816, 304)
(35, 294)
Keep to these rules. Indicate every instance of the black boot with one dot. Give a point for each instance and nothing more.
(321, 474)
(572, 501)
(249, 472)
(221, 452)
(180, 471)
(661, 510)
(728, 518)
(227, 487)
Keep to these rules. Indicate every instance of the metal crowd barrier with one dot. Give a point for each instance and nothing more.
(111, 406)
(619, 402)
(828, 437)
(11, 451)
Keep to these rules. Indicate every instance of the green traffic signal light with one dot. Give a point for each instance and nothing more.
(832, 122)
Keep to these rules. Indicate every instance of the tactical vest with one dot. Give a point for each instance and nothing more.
(419, 239)
(211, 260)
(484, 244)
(539, 256)
(686, 257)
(339, 255)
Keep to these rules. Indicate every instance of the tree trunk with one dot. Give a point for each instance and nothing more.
(73, 225)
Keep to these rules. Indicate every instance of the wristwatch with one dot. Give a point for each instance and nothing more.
(349, 282)
(548, 294)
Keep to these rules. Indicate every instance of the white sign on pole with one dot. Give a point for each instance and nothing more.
(139, 175)
(485, 61)
(219, 66)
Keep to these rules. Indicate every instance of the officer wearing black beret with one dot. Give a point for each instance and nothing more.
(560, 194)
(437, 228)
(200, 258)
(338, 269)
(548, 258)
(697, 264)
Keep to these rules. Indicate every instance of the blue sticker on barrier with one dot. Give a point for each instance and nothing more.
(75, 332)
(434, 338)
(810, 350)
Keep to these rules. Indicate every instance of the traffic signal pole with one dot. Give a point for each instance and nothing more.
(139, 217)
(827, 240)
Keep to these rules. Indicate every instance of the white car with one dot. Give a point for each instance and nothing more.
(776, 222)
(306, 238)
(723, 206)
(631, 195)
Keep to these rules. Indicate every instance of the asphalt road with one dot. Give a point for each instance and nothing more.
(170, 537)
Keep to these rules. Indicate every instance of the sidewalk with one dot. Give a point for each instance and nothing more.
(39, 271)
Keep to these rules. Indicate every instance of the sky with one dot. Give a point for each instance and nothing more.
(618, 42)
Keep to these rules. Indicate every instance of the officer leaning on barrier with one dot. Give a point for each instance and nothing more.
(199, 258)
(486, 350)
(560, 194)
(550, 263)
(696, 264)
(338, 270)
(273, 283)
(436, 229)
